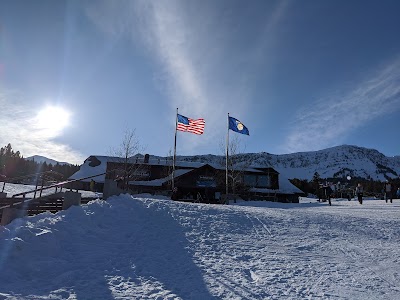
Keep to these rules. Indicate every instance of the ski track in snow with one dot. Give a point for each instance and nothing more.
(145, 248)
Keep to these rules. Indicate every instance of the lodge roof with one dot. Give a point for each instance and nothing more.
(160, 181)
(97, 164)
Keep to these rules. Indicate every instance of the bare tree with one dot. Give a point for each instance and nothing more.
(127, 167)
(237, 163)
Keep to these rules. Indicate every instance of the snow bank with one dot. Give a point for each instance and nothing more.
(140, 247)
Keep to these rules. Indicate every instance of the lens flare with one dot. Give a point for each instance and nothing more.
(51, 120)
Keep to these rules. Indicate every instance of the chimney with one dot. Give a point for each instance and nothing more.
(146, 158)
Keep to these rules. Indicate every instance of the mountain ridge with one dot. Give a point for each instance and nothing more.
(41, 159)
(335, 162)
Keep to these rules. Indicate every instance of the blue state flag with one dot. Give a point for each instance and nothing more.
(236, 125)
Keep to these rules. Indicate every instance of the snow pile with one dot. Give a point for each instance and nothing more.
(139, 247)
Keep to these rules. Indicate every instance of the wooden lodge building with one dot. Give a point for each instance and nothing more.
(195, 182)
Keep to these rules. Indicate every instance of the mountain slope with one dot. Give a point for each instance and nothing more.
(337, 162)
(41, 159)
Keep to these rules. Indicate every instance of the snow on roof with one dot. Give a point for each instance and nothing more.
(285, 187)
(238, 168)
(97, 164)
(86, 170)
(160, 181)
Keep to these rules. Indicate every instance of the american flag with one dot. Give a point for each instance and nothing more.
(190, 125)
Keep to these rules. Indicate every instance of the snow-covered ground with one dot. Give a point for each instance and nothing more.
(140, 247)
(12, 189)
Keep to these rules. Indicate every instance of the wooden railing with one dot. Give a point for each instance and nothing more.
(49, 202)
(45, 176)
(60, 184)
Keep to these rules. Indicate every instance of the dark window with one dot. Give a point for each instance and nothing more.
(263, 181)
(250, 180)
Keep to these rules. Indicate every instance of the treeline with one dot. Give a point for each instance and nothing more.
(370, 186)
(13, 165)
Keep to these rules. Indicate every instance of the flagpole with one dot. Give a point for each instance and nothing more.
(226, 170)
(174, 158)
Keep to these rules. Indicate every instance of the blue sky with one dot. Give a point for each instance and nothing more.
(301, 75)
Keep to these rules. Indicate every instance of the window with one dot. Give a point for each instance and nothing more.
(263, 181)
(250, 180)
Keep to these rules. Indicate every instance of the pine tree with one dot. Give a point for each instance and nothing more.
(13, 164)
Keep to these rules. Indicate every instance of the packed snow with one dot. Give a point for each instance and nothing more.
(147, 247)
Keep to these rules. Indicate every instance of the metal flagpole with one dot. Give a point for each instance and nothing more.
(174, 158)
(226, 170)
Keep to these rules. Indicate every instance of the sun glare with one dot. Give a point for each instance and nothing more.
(52, 119)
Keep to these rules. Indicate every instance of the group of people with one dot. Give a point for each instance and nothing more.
(387, 192)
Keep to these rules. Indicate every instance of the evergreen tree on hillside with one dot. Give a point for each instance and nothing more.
(13, 165)
(315, 182)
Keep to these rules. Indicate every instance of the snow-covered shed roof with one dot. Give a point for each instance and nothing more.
(93, 165)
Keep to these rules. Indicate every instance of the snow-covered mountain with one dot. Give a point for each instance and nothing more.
(335, 162)
(41, 159)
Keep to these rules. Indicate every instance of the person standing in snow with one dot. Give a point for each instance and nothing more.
(359, 192)
(388, 192)
(398, 193)
(328, 194)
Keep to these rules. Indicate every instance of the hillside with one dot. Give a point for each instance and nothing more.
(337, 162)
(42, 159)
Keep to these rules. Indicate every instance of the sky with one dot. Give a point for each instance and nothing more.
(162, 249)
(75, 76)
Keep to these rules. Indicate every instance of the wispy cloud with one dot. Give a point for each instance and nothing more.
(332, 118)
(190, 44)
(18, 127)
(170, 38)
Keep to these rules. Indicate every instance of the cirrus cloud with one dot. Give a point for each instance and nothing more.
(316, 126)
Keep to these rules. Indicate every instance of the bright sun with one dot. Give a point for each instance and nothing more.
(52, 119)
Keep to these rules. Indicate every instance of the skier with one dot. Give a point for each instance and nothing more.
(359, 192)
(388, 191)
(398, 193)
